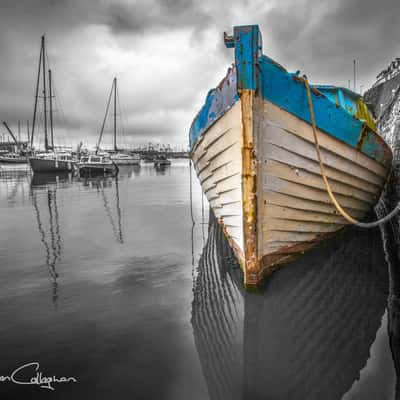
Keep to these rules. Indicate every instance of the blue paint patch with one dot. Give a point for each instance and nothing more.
(287, 91)
(335, 108)
(371, 147)
(218, 101)
(247, 50)
(342, 96)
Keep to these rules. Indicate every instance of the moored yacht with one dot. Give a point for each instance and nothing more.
(117, 156)
(13, 158)
(52, 159)
(96, 164)
(120, 158)
(161, 161)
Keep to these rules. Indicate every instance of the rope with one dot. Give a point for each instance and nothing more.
(191, 192)
(344, 214)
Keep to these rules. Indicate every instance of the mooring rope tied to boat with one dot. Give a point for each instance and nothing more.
(191, 192)
(338, 207)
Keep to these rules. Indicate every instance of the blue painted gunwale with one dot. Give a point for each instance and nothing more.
(218, 102)
(335, 108)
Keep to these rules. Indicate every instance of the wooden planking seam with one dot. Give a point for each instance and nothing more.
(285, 156)
(300, 128)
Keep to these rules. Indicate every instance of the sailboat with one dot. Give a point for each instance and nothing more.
(50, 160)
(117, 156)
(99, 163)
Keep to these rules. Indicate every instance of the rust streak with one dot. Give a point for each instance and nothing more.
(272, 261)
(363, 135)
(238, 252)
(249, 193)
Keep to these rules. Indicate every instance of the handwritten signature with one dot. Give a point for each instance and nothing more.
(45, 382)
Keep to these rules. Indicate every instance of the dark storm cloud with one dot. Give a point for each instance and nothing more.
(323, 38)
(156, 15)
(168, 54)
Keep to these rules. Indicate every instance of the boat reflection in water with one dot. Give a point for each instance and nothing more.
(391, 242)
(44, 189)
(14, 181)
(308, 335)
(162, 169)
(111, 206)
(44, 200)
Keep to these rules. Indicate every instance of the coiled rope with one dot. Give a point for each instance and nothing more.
(344, 214)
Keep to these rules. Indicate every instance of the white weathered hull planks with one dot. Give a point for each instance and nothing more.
(217, 161)
(292, 124)
(294, 211)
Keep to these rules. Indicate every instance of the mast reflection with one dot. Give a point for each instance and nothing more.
(44, 200)
(100, 183)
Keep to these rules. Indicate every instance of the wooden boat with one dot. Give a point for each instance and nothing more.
(254, 152)
(96, 164)
(52, 159)
(117, 156)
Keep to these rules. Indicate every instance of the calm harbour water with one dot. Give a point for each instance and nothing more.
(106, 280)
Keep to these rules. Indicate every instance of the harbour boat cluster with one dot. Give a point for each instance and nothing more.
(56, 159)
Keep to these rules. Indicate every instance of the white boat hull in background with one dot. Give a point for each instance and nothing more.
(125, 159)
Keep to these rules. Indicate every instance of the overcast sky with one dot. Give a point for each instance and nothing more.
(168, 54)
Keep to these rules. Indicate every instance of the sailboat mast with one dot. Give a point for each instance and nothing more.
(51, 111)
(105, 117)
(27, 129)
(37, 90)
(115, 114)
(46, 142)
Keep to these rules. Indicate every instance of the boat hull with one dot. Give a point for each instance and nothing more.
(92, 169)
(217, 159)
(5, 160)
(290, 210)
(294, 211)
(127, 162)
(125, 159)
(254, 151)
(50, 165)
